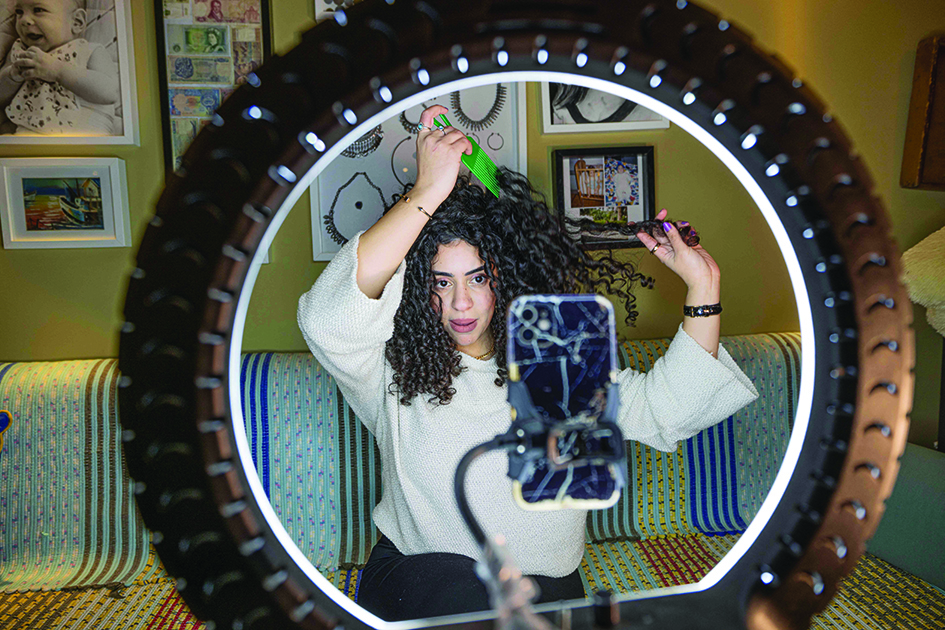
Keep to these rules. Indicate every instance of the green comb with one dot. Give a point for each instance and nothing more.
(479, 162)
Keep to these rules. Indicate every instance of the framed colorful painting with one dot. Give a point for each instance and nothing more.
(99, 105)
(64, 202)
(207, 48)
(612, 185)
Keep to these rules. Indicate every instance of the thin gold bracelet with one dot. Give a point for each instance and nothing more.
(406, 199)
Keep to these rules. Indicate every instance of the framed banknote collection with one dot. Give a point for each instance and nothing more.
(207, 49)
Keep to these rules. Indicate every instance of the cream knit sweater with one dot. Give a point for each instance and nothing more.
(420, 445)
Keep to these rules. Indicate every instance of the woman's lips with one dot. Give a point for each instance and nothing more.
(462, 325)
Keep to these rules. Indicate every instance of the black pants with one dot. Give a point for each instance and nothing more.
(396, 587)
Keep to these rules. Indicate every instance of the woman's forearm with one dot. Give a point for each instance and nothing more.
(384, 246)
(705, 330)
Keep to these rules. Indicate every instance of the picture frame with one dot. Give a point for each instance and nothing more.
(375, 167)
(206, 49)
(923, 155)
(576, 109)
(54, 203)
(605, 185)
(325, 9)
(106, 44)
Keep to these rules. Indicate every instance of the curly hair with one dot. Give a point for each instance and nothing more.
(526, 249)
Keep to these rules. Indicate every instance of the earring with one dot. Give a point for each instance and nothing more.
(489, 141)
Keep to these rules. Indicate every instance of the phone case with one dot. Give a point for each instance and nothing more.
(563, 390)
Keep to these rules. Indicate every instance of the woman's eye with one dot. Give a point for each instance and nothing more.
(480, 279)
(441, 284)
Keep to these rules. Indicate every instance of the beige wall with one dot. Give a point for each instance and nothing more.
(857, 54)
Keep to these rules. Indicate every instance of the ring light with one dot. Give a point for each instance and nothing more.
(198, 260)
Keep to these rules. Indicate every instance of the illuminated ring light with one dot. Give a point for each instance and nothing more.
(187, 298)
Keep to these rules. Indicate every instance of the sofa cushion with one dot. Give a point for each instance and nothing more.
(912, 532)
(321, 469)
(317, 463)
(715, 482)
(69, 515)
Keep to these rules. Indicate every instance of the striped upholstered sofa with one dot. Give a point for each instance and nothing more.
(75, 554)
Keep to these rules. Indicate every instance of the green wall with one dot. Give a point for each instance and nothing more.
(60, 304)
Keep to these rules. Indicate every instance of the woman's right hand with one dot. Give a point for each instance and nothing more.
(438, 157)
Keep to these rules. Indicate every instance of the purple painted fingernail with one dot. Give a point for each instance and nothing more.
(684, 223)
(667, 226)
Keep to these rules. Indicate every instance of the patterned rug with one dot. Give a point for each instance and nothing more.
(876, 596)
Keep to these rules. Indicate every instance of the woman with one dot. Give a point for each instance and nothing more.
(409, 318)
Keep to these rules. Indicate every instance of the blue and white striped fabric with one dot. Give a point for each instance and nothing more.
(67, 511)
(321, 470)
(317, 463)
(716, 481)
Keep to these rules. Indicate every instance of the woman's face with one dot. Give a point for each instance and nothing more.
(466, 293)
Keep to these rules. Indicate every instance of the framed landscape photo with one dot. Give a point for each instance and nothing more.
(577, 109)
(206, 49)
(605, 185)
(97, 40)
(64, 202)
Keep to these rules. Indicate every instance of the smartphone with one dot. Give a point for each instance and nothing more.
(562, 358)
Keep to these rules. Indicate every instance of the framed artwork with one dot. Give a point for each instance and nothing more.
(577, 109)
(207, 48)
(95, 39)
(324, 9)
(605, 185)
(352, 192)
(923, 155)
(64, 202)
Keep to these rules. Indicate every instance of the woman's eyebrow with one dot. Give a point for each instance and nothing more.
(468, 273)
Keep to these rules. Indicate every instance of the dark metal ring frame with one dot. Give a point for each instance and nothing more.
(180, 308)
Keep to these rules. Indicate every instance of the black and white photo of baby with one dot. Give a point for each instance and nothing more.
(60, 73)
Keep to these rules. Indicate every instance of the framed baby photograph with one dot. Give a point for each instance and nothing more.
(96, 101)
(577, 109)
(604, 186)
(64, 202)
(206, 49)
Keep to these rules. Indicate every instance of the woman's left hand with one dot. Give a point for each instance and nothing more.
(693, 264)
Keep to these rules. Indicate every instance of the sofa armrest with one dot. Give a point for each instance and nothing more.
(911, 535)
(67, 509)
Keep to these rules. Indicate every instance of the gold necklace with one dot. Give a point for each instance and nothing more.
(485, 356)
